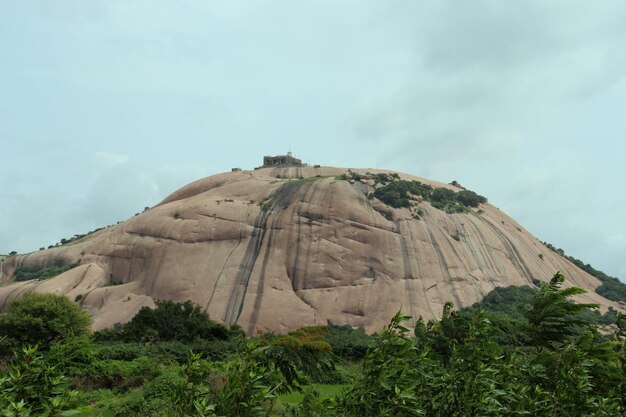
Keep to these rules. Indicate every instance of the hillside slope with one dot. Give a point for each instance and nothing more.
(278, 248)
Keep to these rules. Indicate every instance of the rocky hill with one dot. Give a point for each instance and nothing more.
(278, 248)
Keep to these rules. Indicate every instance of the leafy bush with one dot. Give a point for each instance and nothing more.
(396, 193)
(118, 375)
(173, 321)
(349, 343)
(552, 318)
(31, 387)
(470, 198)
(42, 319)
(520, 352)
(454, 368)
(170, 351)
(72, 356)
(509, 301)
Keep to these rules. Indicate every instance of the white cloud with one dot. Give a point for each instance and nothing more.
(108, 158)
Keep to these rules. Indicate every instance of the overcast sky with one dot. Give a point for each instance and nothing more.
(108, 106)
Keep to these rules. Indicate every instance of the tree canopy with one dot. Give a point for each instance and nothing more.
(173, 321)
(42, 319)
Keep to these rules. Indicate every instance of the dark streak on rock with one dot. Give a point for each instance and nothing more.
(287, 200)
(408, 268)
(514, 255)
(219, 276)
(278, 202)
(444, 267)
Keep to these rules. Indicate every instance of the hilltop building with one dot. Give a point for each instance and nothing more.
(282, 161)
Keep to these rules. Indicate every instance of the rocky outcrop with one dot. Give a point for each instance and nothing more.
(278, 248)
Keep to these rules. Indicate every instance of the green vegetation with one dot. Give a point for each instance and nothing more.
(42, 319)
(30, 387)
(322, 391)
(506, 301)
(612, 288)
(466, 364)
(397, 193)
(26, 273)
(169, 321)
(348, 343)
(79, 236)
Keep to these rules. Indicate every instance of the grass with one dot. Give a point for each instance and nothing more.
(326, 391)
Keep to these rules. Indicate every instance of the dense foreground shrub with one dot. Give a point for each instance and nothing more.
(41, 319)
(31, 387)
(561, 365)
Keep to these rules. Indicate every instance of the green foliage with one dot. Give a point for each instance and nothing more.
(447, 200)
(313, 404)
(552, 318)
(248, 385)
(78, 236)
(505, 307)
(152, 399)
(390, 377)
(172, 351)
(349, 343)
(42, 319)
(470, 198)
(302, 356)
(118, 375)
(266, 206)
(521, 352)
(453, 368)
(505, 300)
(26, 273)
(173, 321)
(351, 175)
(396, 193)
(246, 388)
(612, 288)
(31, 387)
(72, 356)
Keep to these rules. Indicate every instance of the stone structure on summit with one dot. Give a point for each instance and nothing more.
(282, 161)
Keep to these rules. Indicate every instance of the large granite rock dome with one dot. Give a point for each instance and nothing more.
(279, 248)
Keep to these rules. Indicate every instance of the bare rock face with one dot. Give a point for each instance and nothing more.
(279, 248)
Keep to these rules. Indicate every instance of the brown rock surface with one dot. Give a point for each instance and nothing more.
(269, 251)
